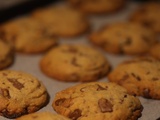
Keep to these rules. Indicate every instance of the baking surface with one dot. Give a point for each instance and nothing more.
(30, 64)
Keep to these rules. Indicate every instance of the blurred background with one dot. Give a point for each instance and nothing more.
(12, 8)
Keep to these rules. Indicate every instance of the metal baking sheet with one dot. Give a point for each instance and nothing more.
(30, 64)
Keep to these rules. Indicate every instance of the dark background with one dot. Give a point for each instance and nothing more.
(17, 9)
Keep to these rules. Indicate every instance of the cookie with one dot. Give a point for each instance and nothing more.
(155, 51)
(27, 35)
(6, 54)
(140, 76)
(97, 101)
(98, 6)
(43, 116)
(62, 21)
(148, 15)
(74, 63)
(20, 93)
(124, 38)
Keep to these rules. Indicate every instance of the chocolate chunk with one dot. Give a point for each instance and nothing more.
(125, 77)
(105, 105)
(75, 114)
(128, 41)
(146, 93)
(136, 77)
(15, 83)
(60, 101)
(74, 62)
(101, 88)
(5, 93)
(155, 79)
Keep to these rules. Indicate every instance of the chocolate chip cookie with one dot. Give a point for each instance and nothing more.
(43, 116)
(27, 35)
(20, 93)
(140, 76)
(148, 15)
(74, 63)
(98, 6)
(6, 54)
(97, 101)
(62, 21)
(126, 38)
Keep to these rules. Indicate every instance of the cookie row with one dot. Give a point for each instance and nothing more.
(38, 32)
(84, 101)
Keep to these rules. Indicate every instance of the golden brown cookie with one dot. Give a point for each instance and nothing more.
(62, 21)
(97, 101)
(148, 15)
(155, 51)
(43, 116)
(140, 76)
(6, 54)
(98, 6)
(27, 35)
(74, 63)
(126, 38)
(20, 93)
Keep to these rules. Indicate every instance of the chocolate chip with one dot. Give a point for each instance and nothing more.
(5, 93)
(146, 93)
(15, 83)
(60, 101)
(155, 79)
(74, 62)
(75, 114)
(136, 77)
(105, 105)
(101, 88)
(128, 41)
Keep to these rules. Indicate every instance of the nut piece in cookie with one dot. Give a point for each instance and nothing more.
(74, 63)
(97, 101)
(6, 54)
(148, 15)
(140, 76)
(98, 6)
(126, 38)
(20, 93)
(43, 116)
(27, 35)
(62, 21)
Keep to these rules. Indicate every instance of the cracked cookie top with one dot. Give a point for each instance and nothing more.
(97, 101)
(124, 38)
(20, 93)
(140, 76)
(74, 63)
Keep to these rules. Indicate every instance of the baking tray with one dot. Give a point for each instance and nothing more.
(30, 63)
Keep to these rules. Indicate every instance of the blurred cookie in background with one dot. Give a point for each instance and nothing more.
(140, 76)
(27, 35)
(155, 51)
(124, 38)
(148, 14)
(62, 21)
(6, 54)
(98, 6)
(78, 63)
